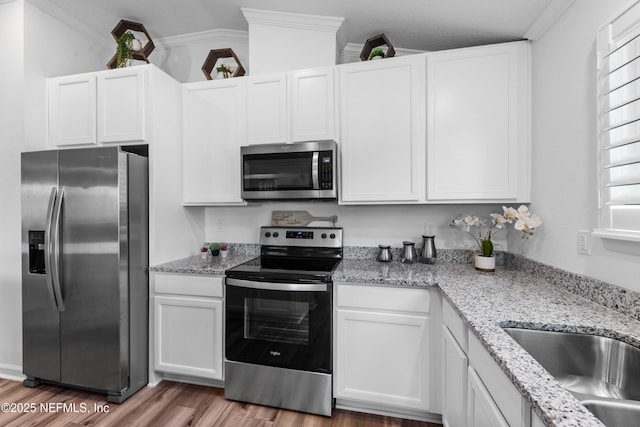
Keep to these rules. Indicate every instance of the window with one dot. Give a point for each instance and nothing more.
(619, 126)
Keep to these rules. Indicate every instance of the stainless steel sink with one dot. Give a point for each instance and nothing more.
(614, 413)
(603, 373)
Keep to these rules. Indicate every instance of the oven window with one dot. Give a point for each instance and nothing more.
(275, 172)
(276, 320)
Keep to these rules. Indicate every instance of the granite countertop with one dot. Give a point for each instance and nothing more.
(509, 298)
(486, 302)
(197, 265)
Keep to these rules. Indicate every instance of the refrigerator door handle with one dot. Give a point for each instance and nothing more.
(48, 246)
(55, 265)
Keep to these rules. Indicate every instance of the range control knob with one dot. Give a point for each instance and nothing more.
(324, 235)
(275, 234)
(267, 234)
(333, 236)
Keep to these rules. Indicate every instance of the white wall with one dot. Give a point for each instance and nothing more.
(37, 47)
(564, 148)
(363, 225)
(11, 139)
(182, 57)
(52, 49)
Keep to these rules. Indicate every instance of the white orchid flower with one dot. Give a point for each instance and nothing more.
(498, 220)
(524, 222)
(509, 214)
(523, 211)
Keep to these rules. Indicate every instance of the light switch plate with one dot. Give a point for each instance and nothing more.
(584, 242)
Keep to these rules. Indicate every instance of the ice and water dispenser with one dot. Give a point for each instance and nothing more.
(36, 252)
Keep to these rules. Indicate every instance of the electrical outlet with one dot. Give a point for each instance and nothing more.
(584, 242)
(429, 229)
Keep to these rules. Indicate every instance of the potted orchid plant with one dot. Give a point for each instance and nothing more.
(522, 220)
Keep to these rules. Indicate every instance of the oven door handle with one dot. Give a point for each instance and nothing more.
(269, 286)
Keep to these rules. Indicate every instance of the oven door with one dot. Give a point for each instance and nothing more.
(279, 324)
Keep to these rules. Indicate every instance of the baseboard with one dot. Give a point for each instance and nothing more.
(11, 372)
(189, 380)
(377, 409)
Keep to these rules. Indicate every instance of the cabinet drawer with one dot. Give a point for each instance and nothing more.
(183, 284)
(454, 322)
(382, 298)
(504, 393)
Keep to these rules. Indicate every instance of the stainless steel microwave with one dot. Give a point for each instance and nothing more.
(302, 170)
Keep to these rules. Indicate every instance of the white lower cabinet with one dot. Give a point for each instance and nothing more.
(384, 349)
(482, 410)
(454, 402)
(188, 325)
(477, 393)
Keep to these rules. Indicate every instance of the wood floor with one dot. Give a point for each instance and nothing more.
(169, 404)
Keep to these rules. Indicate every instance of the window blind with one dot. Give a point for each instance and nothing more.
(619, 124)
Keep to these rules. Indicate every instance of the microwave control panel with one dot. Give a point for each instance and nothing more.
(326, 170)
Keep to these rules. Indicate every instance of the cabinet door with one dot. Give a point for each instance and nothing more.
(454, 408)
(121, 105)
(72, 110)
(188, 336)
(267, 109)
(383, 358)
(312, 104)
(482, 410)
(383, 130)
(213, 131)
(478, 124)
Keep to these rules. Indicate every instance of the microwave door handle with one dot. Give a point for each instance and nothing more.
(314, 170)
(48, 247)
(55, 273)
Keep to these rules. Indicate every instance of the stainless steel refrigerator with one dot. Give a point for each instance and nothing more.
(85, 269)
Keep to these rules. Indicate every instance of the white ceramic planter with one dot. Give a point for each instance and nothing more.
(136, 45)
(485, 263)
(224, 253)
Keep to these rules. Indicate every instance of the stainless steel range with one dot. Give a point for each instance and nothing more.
(278, 320)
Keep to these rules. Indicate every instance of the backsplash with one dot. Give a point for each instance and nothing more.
(611, 296)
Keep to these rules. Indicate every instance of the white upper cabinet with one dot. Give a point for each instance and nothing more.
(312, 101)
(382, 120)
(478, 121)
(106, 106)
(291, 107)
(267, 109)
(213, 131)
(72, 110)
(121, 105)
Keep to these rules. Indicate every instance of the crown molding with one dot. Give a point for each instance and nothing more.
(352, 50)
(547, 18)
(56, 12)
(293, 20)
(218, 35)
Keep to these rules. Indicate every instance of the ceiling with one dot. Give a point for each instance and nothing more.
(409, 24)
